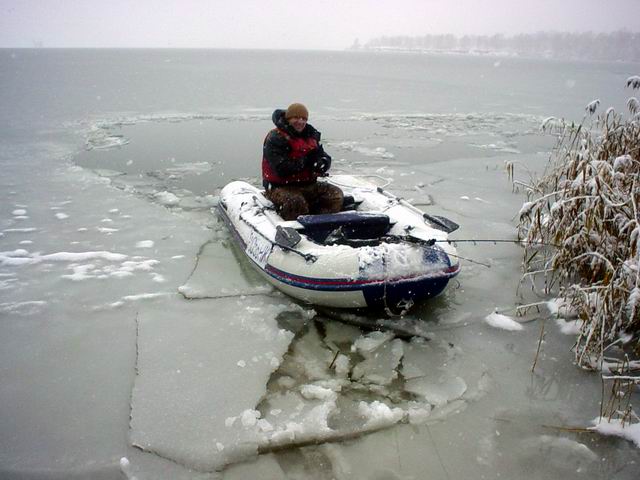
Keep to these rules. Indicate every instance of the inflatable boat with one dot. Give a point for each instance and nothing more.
(380, 251)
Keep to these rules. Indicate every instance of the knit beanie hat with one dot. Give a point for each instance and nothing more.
(297, 110)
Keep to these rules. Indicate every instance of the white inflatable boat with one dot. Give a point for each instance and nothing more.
(379, 252)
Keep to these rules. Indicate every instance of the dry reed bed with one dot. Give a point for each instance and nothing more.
(581, 229)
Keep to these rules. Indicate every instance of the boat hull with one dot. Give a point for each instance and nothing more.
(392, 277)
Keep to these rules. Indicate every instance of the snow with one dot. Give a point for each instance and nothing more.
(633, 81)
(378, 414)
(317, 392)
(167, 198)
(497, 320)
(23, 257)
(569, 327)
(558, 306)
(145, 244)
(616, 428)
(622, 162)
(592, 106)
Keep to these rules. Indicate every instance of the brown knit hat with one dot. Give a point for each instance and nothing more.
(297, 110)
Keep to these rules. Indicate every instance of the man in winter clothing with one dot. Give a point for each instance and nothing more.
(292, 161)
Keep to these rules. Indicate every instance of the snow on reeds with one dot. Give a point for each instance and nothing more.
(581, 229)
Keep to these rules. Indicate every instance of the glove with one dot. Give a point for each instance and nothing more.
(322, 164)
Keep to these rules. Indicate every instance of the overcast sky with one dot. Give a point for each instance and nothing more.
(294, 24)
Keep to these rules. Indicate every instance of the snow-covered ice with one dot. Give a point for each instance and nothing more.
(616, 428)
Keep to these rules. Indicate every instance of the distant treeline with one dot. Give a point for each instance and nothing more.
(620, 45)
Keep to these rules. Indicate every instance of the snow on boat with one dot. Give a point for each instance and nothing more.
(379, 252)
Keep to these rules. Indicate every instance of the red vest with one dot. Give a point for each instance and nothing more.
(299, 148)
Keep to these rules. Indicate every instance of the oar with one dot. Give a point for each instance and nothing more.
(441, 223)
(287, 237)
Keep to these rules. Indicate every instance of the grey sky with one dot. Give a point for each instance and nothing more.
(321, 24)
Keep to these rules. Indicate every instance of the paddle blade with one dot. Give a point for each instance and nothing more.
(441, 223)
(287, 237)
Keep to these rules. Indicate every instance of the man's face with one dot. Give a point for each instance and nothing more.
(298, 123)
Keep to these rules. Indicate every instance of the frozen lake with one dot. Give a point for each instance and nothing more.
(136, 341)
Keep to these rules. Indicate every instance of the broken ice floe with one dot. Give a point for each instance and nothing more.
(326, 402)
(332, 383)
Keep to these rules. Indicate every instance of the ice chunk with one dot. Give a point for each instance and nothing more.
(429, 374)
(445, 389)
(339, 333)
(368, 343)
(238, 279)
(380, 364)
(296, 421)
(188, 380)
(560, 454)
(309, 358)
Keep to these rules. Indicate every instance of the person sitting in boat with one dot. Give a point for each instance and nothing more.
(292, 161)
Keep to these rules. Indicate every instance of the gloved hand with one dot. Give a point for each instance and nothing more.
(322, 164)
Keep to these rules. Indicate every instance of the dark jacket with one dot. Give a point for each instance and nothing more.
(291, 157)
